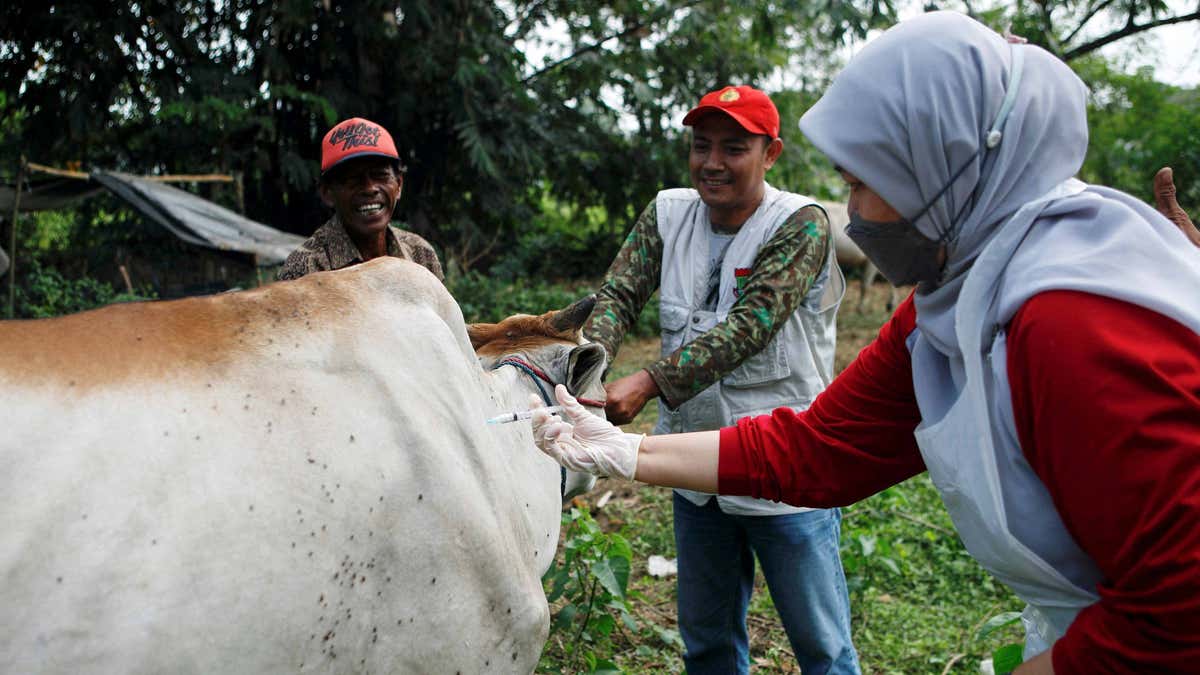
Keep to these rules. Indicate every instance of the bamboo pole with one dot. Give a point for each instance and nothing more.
(125, 277)
(166, 178)
(65, 173)
(190, 178)
(12, 242)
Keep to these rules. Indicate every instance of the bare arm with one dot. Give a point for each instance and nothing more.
(860, 427)
(686, 461)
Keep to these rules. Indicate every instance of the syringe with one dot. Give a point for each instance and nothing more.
(520, 415)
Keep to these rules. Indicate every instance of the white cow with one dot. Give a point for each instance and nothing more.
(849, 255)
(292, 479)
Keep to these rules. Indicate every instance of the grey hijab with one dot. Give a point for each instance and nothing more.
(916, 105)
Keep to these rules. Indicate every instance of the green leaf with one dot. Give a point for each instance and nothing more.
(619, 546)
(620, 567)
(669, 637)
(996, 623)
(605, 667)
(1007, 658)
(565, 616)
(603, 624)
(560, 584)
(604, 573)
(550, 572)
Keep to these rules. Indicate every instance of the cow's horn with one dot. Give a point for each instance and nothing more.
(572, 317)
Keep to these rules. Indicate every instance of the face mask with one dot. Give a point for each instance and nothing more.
(899, 250)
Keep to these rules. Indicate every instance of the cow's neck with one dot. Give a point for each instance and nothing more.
(514, 387)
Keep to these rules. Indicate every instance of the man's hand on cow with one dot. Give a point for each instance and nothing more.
(627, 396)
(584, 442)
(1164, 201)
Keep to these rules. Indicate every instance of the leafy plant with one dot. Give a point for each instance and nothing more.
(1004, 659)
(591, 582)
(44, 293)
(483, 297)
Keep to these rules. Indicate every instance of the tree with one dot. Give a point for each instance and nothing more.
(1072, 29)
(246, 85)
(1138, 125)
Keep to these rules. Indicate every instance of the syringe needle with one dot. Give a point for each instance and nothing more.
(520, 415)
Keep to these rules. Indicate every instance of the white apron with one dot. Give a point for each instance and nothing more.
(970, 446)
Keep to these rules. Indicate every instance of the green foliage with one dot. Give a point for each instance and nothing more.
(43, 293)
(67, 260)
(1007, 658)
(1138, 125)
(1071, 29)
(915, 593)
(485, 99)
(487, 299)
(589, 588)
(1004, 659)
(484, 298)
(802, 168)
(997, 622)
(562, 241)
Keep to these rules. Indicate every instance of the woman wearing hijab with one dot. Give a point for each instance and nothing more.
(1046, 371)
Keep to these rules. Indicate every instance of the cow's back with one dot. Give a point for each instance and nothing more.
(294, 478)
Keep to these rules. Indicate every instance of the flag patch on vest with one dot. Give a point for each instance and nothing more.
(740, 276)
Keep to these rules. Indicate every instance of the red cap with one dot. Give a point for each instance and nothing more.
(355, 137)
(748, 107)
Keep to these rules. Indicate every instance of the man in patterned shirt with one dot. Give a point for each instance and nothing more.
(749, 290)
(361, 178)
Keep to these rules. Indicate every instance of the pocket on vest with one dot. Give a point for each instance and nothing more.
(769, 365)
(672, 320)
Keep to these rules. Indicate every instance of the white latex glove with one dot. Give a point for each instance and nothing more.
(584, 442)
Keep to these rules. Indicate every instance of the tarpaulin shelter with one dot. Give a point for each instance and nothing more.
(189, 217)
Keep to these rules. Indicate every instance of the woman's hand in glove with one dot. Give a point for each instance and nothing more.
(584, 442)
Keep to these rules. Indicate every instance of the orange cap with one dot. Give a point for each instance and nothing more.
(749, 107)
(355, 137)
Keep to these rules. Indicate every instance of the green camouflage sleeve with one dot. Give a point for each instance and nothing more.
(783, 272)
(630, 281)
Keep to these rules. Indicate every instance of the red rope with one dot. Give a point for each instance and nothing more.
(590, 402)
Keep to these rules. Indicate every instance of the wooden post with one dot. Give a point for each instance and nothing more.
(240, 190)
(12, 242)
(125, 277)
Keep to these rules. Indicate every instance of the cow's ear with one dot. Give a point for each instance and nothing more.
(480, 333)
(585, 366)
(572, 317)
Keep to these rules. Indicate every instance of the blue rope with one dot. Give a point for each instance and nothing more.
(537, 382)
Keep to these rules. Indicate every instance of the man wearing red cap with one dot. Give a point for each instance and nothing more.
(361, 178)
(748, 294)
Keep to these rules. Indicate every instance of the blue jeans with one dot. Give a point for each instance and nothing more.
(798, 553)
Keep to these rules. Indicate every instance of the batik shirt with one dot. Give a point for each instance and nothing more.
(331, 248)
(783, 272)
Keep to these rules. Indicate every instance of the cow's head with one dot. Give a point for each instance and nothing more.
(551, 343)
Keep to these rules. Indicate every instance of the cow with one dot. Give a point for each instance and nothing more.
(849, 255)
(297, 478)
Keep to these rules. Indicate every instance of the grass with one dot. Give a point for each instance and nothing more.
(917, 598)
